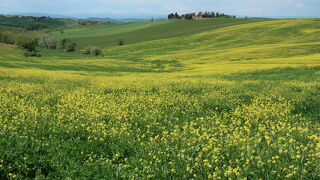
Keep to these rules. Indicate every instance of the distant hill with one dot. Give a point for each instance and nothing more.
(121, 20)
(44, 14)
(37, 22)
(31, 22)
(101, 19)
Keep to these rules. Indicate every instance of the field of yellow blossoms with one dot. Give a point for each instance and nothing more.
(262, 125)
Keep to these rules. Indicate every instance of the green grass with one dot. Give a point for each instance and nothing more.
(108, 35)
(277, 38)
(105, 29)
(229, 101)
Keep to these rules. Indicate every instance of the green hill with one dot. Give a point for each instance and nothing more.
(253, 41)
(276, 41)
(108, 35)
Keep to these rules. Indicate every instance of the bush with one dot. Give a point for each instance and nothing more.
(87, 50)
(63, 43)
(71, 47)
(93, 50)
(120, 42)
(32, 54)
(47, 41)
(96, 51)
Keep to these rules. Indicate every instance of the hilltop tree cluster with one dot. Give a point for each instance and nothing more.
(26, 22)
(26, 17)
(30, 22)
(174, 16)
(200, 15)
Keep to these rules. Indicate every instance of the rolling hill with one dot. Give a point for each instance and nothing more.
(267, 40)
(108, 35)
(211, 99)
(255, 43)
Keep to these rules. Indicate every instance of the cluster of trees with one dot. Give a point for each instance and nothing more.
(47, 41)
(30, 22)
(29, 26)
(24, 40)
(174, 16)
(8, 37)
(87, 22)
(214, 15)
(26, 17)
(29, 41)
(93, 50)
(190, 16)
(16, 30)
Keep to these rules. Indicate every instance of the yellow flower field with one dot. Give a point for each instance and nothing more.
(207, 113)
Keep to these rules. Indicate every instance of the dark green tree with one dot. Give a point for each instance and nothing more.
(120, 42)
(71, 47)
(171, 16)
(176, 16)
(213, 14)
(62, 44)
(26, 42)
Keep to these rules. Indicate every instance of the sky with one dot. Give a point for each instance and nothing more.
(160, 8)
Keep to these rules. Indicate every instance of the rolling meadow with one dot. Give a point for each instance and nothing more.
(199, 99)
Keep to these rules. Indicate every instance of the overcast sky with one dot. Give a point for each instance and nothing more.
(141, 8)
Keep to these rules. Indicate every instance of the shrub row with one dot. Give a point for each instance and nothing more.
(29, 41)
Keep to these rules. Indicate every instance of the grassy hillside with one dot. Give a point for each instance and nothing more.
(261, 40)
(106, 29)
(109, 35)
(282, 42)
(237, 101)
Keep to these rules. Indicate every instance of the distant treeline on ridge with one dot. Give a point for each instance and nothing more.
(200, 15)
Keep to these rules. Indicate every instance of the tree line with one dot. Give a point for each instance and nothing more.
(34, 18)
(30, 22)
(200, 15)
(24, 40)
(39, 23)
(29, 41)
